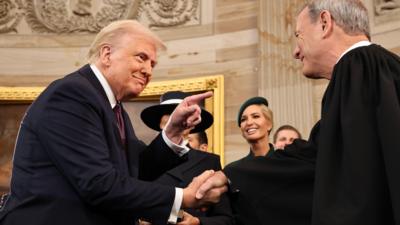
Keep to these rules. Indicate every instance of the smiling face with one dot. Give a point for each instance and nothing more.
(254, 124)
(309, 47)
(128, 65)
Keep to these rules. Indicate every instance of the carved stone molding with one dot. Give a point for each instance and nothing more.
(383, 7)
(167, 13)
(89, 16)
(385, 11)
(60, 16)
(11, 13)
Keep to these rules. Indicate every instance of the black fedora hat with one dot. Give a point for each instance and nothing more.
(151, 116)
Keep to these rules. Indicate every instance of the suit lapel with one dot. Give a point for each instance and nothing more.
(88, 73)
(194, 158)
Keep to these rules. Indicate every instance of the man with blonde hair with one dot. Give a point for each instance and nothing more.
(77, 159)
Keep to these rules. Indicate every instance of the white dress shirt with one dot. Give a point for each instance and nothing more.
(178, 149)
(356, 45)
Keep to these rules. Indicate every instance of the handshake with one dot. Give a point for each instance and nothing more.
(204, 189)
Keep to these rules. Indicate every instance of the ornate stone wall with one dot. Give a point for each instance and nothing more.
(248, 41)
(88, 16)
(385, 7)
(204, 37)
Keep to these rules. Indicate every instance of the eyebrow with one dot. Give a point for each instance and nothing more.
(153, 62)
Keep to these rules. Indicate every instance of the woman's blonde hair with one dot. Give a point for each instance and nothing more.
(267, 112)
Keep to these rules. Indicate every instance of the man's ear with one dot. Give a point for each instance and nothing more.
(104, 54)
(326, 23)
(203, 147)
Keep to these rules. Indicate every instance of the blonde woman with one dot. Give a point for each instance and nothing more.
(267, 186)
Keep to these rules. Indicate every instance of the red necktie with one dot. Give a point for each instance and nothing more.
(120, 121)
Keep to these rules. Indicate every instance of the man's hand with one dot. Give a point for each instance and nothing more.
(211, 191)
(188, 219)
(185, 116)
(218, 179)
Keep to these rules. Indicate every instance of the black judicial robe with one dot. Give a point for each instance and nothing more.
(275, 189)
(358, 164)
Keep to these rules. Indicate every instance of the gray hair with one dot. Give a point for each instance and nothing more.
(111, 33)
(350, 15)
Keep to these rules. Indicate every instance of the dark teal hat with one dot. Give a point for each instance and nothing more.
(251, 101)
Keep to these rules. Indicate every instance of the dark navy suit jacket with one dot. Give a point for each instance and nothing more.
(70, 166)
(182, 175)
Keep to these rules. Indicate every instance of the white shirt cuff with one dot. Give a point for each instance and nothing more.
(178, 149)
(173, 217)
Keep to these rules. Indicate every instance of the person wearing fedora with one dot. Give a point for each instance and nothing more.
(77, 159)
(156, 117)
(198, 141)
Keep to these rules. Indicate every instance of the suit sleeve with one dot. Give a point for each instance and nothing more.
(388, 125)
(358, 143)
(73, 132)
(157, 159)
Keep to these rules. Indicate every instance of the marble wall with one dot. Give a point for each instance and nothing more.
(248, 41)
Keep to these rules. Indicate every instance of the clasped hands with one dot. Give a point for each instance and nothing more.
(208, 187)
(205, 189)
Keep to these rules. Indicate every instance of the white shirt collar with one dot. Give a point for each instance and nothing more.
(356, 45)
(105, 85)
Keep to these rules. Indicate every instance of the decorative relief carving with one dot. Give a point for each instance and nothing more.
(88, 16)
(211, 83)
(188, 85)
(167, 13)
(75, 16)
(383, 7)
(11, 13)
(16, 94)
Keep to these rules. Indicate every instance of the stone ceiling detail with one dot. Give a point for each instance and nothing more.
(386, 11)
(11, 14)
(89, 16)
(383, 7)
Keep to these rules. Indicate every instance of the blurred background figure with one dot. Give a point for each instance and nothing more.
(156, 117)
(198, 141)
(285, 135)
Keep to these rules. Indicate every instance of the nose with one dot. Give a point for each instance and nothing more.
(296, 52)
(147, 70)
(249, 121)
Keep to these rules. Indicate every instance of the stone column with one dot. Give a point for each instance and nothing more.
(290, 95)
